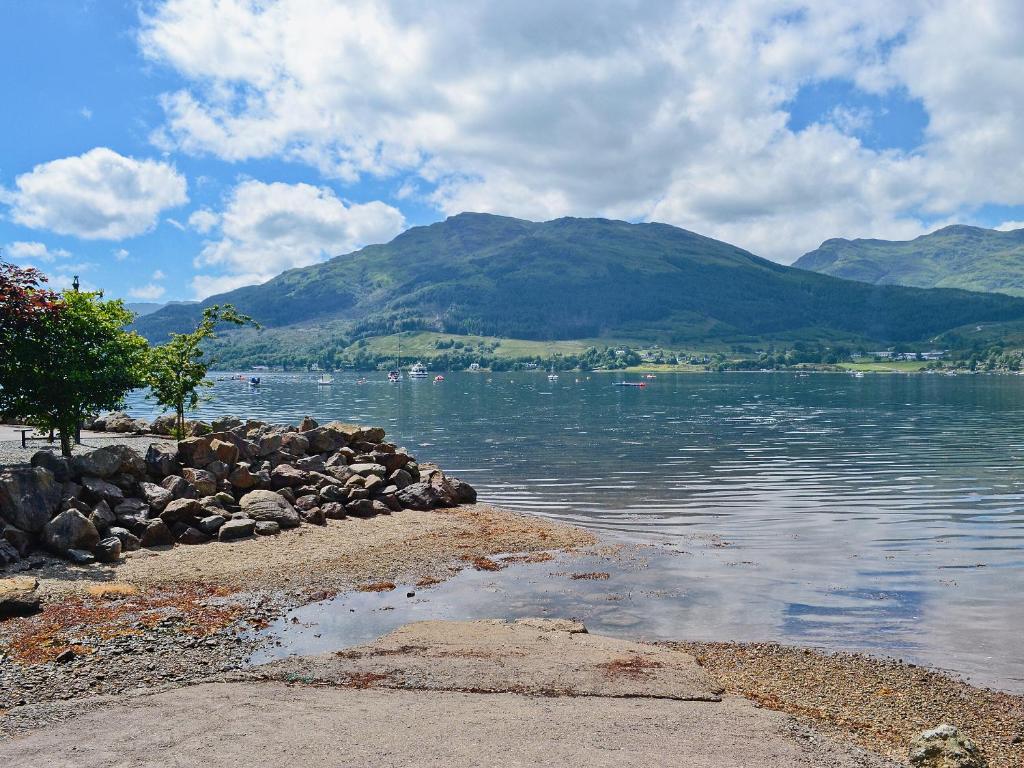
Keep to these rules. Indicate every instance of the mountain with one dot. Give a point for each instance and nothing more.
(141, 308)
(584, 279)
(971, 258)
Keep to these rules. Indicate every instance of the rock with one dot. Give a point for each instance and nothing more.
(129, 541)
(323, 440)
(225, 423)
(241, 478)
(419, 496)
(365, 469)
(187, 511)
(333, 493)
(65, 656)
(80, 557)
(119, 421)
(108, 550)
(102, 516)
(267, 528)
(179, 487)
(132, 508)
(9, 555)
(333, 510)
(360, 508)
(401, 478)
(19, 596)
(195, 452)
(198, 428)
(98, 463)
(313, 515)
(211, 524)
(236, 529)
(268, 505)
(28, 497)
(287, 476)
(164, 425)
(462, 492)
(224, 451)
(17, 538)
(131, 462)
(226, 499)
(204, 482)
(307, 424)
(391, 501)
(192, 535)
(156, 496)
(295, 444)
(945, 747)
(268, 444)
(58, 465)
(312, 463)
(380, 508)
(306, 502)
(70, 530)
(162, 460)
(157, 534)
(70, 490)
(95, 489)
(373, 483)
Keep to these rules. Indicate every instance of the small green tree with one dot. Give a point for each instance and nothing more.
(63, 355)
(177, 369)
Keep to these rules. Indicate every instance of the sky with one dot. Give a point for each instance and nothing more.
(175, 149)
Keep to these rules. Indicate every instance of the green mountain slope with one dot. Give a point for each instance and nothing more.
(585, 278)
(971, 258)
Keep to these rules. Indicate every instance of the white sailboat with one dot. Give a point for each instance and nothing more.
(325, 380)
(395, 374)
(418, 371)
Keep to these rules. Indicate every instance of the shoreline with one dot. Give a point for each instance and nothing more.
(178, 618)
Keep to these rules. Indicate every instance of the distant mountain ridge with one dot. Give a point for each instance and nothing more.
(958, 256)
(584, 278)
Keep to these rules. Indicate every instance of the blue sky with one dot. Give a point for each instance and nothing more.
(175, 148)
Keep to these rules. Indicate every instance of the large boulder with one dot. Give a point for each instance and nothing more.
(268, 444)
(162, 460)
(225, 423)
(268, 505)
(156, 496)
(188, 511)
(129, 541)
(945, 747)
(195, 452)
(287, 476)
(224, 450)
(98, 463)
(9, 555)
(419, 496)
(58, 465)
(463, 492)
(241, 478)
(95, 489)
(156, 534)
(28, 497)
(164, 425)
(70, 530)
(179, 487)
(132, 462)
(236, 529)
(102, 516)
(204, 482)
(119, 421)
(16, 538)
(294, 443)
(108, 550)
(369, 468)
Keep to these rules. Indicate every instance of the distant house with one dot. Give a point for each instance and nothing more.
(474, 366)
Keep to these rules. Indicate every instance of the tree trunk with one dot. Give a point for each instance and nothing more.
(65, 440)
(181, 422)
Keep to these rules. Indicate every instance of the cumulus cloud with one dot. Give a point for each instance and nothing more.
(121, 254)
(675, 112)
(268, 228)
(96, 195)
(35, 251)
(148, 292)
(203, 220)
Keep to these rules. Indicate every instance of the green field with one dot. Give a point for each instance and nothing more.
(890, 366)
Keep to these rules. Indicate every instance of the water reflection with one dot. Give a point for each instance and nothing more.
(881, 513)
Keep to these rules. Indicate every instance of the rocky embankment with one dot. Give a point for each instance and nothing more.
(244, 479)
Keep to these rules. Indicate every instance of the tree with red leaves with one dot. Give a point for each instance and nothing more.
(63, 355)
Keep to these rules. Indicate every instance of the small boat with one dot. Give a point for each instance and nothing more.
(360, 380)
(394, 376)
(640, 384)
(418, 371)
(325, 380)
(650, 376)
(254, 381)
(438, 379)
(858, 374)
(552, 377)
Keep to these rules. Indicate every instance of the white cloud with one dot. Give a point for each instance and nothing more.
(639, 110)
(36, 251)
(1009, 226)
(121, 254)
(96, 195)
(159, 275)
(268, 228)
(203, 220)
(148, 292)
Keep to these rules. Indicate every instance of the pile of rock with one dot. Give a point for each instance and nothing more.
(247, 478)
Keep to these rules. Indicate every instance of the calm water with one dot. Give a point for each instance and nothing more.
(884, 513)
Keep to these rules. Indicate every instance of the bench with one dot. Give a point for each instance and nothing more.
(25, 436)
